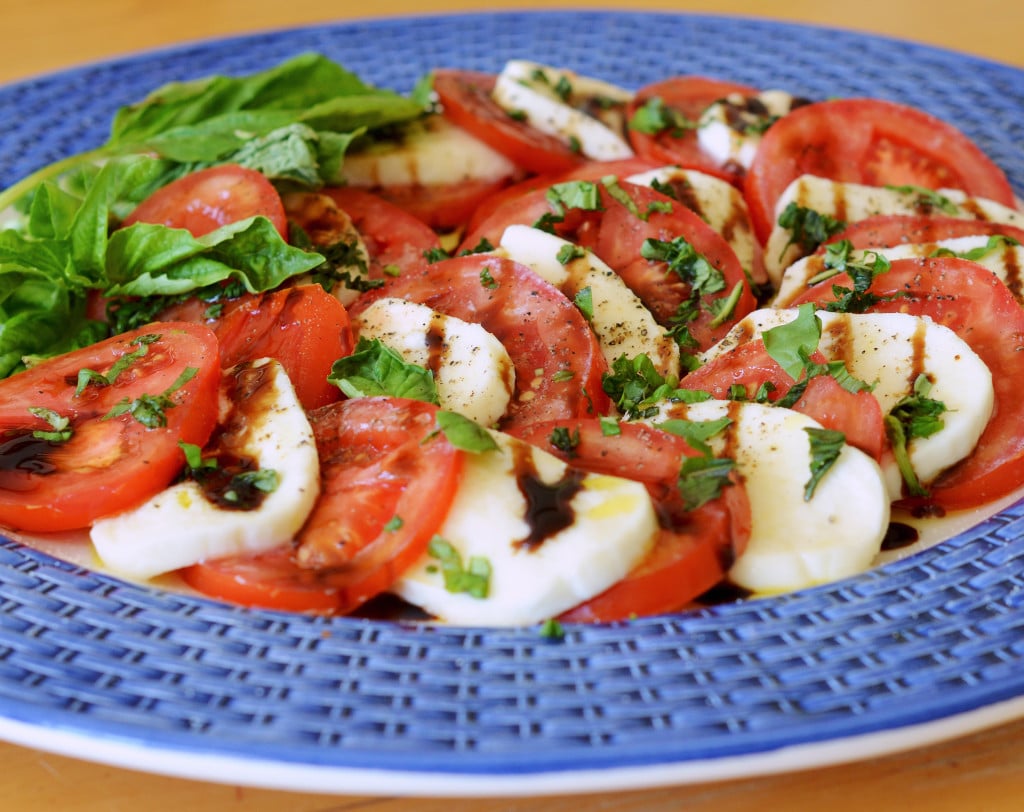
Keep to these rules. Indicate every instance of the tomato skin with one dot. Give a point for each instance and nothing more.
(857, 415)
(210, 198)
(442, 207)
(107, 465)
(971, 301)
(393, 237)
(868, 141)
(886, 230)
(543, 332)
(380, 458)
(690, 96)
(615, 233)
(303, 327)
(693, 550)
(465, 97)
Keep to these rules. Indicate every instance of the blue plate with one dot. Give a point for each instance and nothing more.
(924, 647)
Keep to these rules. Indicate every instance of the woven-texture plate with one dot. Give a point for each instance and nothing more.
(181, 681)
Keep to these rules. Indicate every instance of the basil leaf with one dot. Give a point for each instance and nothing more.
(463, 433)
(375, 369)
(826, 446)
(791, 343)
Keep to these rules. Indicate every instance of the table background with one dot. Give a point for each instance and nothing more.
(984, 771)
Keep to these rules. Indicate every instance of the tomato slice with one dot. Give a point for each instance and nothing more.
(971, 301)
(616, 232)
(210, 198)
(394, 238)
(869, 141)
(303, 327)
(689, 97)
(857, 415)
(693, 550)
(465, 97)
(557, 359)
(885, 230)
(388, 480)
(442, 206)
(109, 463)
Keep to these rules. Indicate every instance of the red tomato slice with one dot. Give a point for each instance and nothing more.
(616, 232)
(971, 301)
(693, 550)
(442, 206)
(885, 230)
(857, 415)
(394, 238)
(688, 96)
(110, 463)
(465, 97)
(210, 198)
(303, 327)
(557, 359)
(388, 480)
(868, 141)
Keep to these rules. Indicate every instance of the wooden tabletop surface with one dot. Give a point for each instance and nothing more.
(983, 771)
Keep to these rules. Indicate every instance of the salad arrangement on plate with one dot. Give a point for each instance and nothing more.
(514, 348)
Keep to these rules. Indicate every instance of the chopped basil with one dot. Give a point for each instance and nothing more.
(474, 578)
(488, 280)
(433, 255)
(610, 427)
(375, 369)
(150, 410)
(568, 252)
(60, 427)
(563, 375)
(565, 440)
(584, 301)
(194, 459)
(916, 415)
(826, 445)
(636, 387)
(703, 478)
(88, 377)
(996, 242)
(394, 524)
(791, 343)
(551, 629)
(928, 200)
(808, 228)
(653, 117)
(265, 480)
(464, 434)
(696, 432)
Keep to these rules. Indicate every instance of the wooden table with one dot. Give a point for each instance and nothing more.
(984, 771)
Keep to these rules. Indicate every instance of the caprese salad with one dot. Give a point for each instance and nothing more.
(511, 349)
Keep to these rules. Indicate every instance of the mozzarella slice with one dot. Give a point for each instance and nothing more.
(1005, 261)
(528, 90)
(730, 130)
(432, 151)
(611, 527)
(889, 350)
(621, 322)
(181, 526)
(472, 370)
(719, 204)
(794, 542)
(850, 202)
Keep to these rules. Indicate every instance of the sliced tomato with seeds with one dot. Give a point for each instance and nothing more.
(207, 199)
(303, 327)
(971, 301)
(693, 550)
(887, 230)
(869, 141)
(388, 480)
(465, 98)
(151, 388)
(557, 359)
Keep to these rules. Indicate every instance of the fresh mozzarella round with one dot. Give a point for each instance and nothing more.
(889, 351)
(180, 526)
(718, 203)
(621, 322)
(429, 152)
(551, 537)
(850, 202)
(794, 542)
(528, 89)
(730, 130)
(1004, 260)
(472, 370)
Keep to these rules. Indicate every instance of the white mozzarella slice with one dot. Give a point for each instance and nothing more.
(730, 130)
(794, 542)
(621, 322)
(528, 89)
(472, 370)
(180, 526)
(850, 202)
(613, 525)
(1005, 261)
(429, 152)
(889, 351)
(719, 204)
